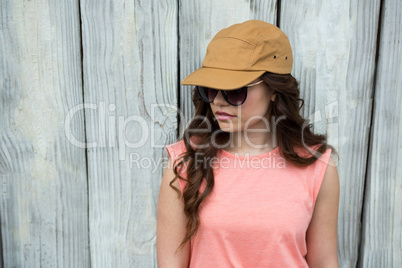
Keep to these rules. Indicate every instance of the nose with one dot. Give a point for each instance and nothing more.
(219, 99)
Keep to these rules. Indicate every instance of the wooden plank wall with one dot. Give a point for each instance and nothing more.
(130, 68)
(66, 205)
(381, 244)
(43, 210)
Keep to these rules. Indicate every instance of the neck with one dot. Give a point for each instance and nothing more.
(251, 141)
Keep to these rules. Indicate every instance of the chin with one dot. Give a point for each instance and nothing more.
(227, 130)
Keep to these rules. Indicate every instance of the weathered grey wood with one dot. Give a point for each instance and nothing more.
(199, 22)
(334, 46)
(130, 67)
(130, 58)
(44, 195)
(382, 234)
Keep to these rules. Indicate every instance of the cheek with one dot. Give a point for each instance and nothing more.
(254, 105)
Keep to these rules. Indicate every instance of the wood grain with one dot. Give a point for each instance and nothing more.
(108, 73)
(382, 218)
(130, 75)
(44, 210)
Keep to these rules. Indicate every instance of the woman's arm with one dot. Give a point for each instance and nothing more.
(321, 235)
(171, 224)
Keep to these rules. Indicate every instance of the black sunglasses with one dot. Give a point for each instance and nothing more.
(234, 97)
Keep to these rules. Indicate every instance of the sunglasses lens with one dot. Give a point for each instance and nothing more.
(236, 97)
(207, 94)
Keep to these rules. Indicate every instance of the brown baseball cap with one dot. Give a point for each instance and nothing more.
(241, 53)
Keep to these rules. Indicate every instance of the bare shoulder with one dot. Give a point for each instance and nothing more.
(331, 178)
(171, 223)
(321, 235)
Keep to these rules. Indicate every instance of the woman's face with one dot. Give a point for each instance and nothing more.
(254, 113)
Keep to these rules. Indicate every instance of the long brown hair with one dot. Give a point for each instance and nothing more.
(292, 131)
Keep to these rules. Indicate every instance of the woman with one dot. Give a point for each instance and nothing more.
(254, 186)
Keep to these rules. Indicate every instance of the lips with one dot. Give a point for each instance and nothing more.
(223, 113)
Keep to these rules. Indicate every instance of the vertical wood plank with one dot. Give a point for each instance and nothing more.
(130, 78)
(199, 22)
(382, 234)
(334, 52)
(44, 199)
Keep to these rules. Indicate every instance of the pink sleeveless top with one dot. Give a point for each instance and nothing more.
(258, 212)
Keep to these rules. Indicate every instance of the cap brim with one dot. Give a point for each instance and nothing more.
(221, 78)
